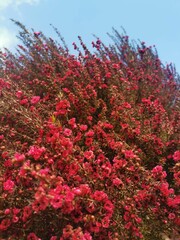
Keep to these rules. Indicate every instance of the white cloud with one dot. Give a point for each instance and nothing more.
(7, 38)
(13, 3)
(5, 3)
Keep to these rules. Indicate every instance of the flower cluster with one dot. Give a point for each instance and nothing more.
(88, 143)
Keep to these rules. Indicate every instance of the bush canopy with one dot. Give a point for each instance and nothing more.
(89, 143)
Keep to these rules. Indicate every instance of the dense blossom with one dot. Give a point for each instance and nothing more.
(35, 99)
(89, 143)
(8, 185)
(176, 156)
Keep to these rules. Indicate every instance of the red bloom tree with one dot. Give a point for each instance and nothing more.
(88, 143)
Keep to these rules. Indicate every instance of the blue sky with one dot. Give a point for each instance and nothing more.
(154, 21)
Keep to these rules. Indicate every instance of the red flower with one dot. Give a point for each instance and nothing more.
(126, 105)
(89, 155)
(117, 182)
(5, 223)
(85, 189)
(108, 75)
(99, 195)
(176, 156)
(83, 127)
(174, 202)
(88, 141)
(90, 133)
(15, 219)
(129, 154)
(171, 216)
(19, 157)
(57, 201)
(19, 94)
(105, 222)
(35, 100)
(72, 122)
(32, 236)
(53, 238)
(67, 132)
(36, 34)
(26, 213)
(36, 152)
(157, 169)
(24, 101)
(7, 211)
(8, 185)
(1, 136)
(62, 107)
(108, 206)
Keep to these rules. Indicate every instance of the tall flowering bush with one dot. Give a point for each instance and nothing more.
(89, 144)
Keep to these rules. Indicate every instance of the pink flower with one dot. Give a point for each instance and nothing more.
(7, 211)
(109, 207)
(19, 157)
(176, 156)
(119, 163)
(106, 167)
(36, 34)
(89, 155)
(67, 132)
(72, 122)
(24, 101)
(5, 223)
(99, 195)
(69, 196)
(87, 236)
(85, 189)
(90, 133)
(105, 222)
(77, 191)
(164, 188)
(36, 152)
(173, 202)
(89, 118)
(19, 94)
(53, 238)
(40, 204)
(124, 125)
(27, 211)
(117, 182)
(32, 236)
(157, 169)
(126, 105)
(35, 100)
(62, 107)
(1, 136)
(129, 154)
(15, 219)
(108, 125)
(44, 171)
(128, 225)
(57, 201)
(83, 127)
(171, 216)
(108, 75)
(16, 210)
(8, 185)
(115, 66)
(88, 141)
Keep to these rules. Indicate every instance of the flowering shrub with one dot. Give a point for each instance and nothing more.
(89, 143)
